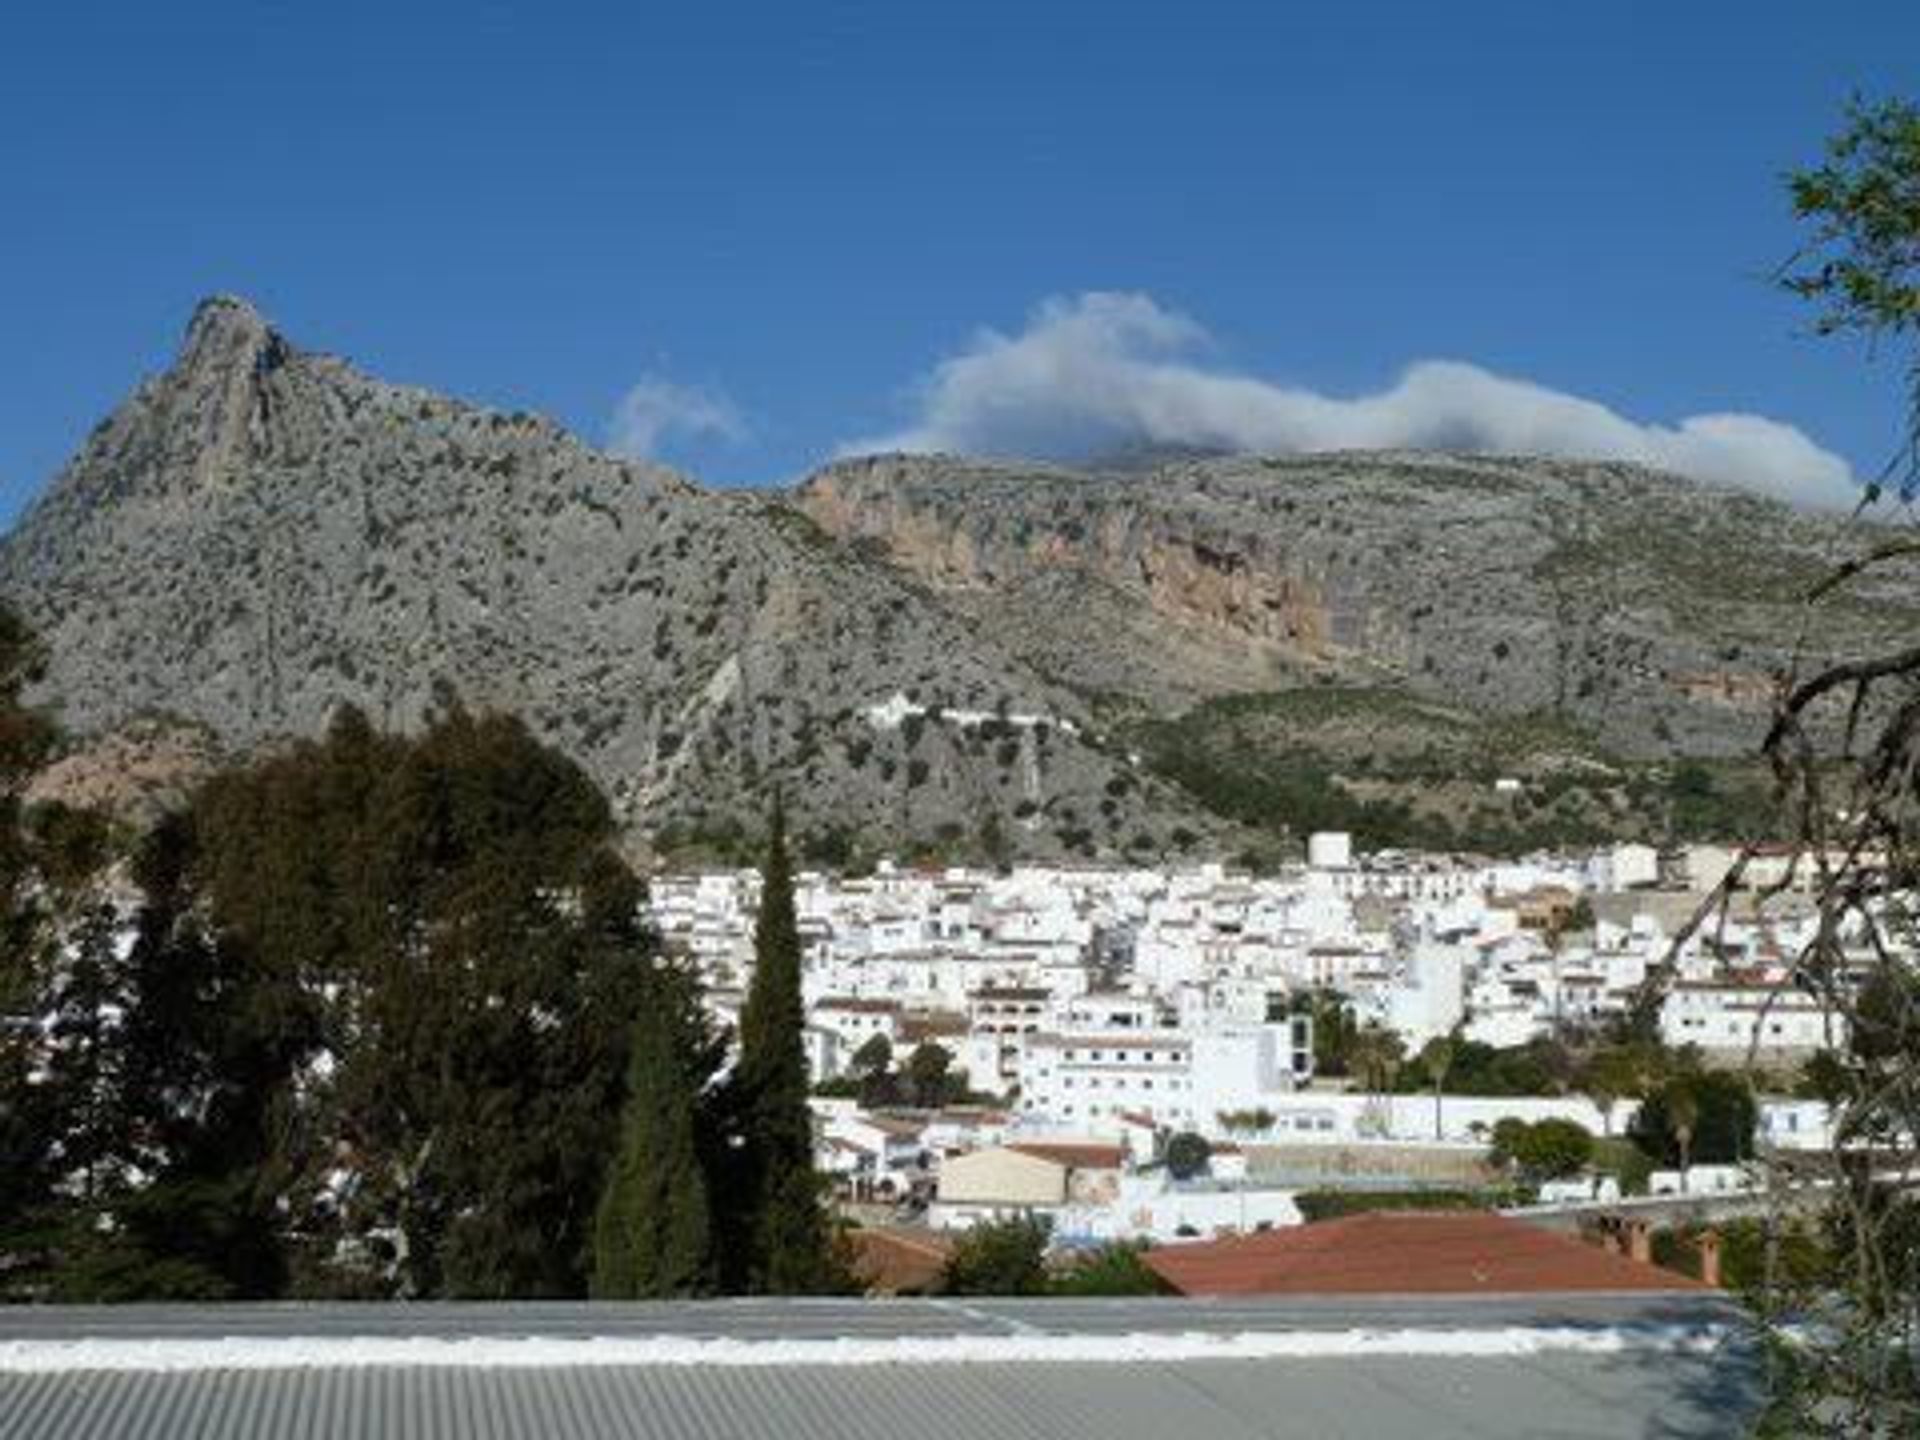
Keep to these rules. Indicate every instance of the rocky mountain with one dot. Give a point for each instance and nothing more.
(1169, 652)
(261, 534)
(1650, 611)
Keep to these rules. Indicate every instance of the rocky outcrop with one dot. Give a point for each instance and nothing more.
(1649, 609)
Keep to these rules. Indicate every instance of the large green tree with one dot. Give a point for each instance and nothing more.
(447, 957)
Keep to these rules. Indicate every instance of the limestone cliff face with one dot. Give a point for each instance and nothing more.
(1230, 583)
(1651, 609)
(260, 534)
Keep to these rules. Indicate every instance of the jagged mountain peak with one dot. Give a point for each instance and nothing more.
(224, 321)
(226, 352)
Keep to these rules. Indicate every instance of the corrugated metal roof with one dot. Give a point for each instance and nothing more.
(1638, 1391)
(1377, 1399)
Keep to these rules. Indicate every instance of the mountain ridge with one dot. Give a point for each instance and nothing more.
(928, 654)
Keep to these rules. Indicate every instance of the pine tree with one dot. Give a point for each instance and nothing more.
(785, 1229)
(653, 1234)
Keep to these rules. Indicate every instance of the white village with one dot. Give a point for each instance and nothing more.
(1086, 1016)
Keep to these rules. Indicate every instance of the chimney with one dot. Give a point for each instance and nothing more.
(1710, 1258)
(1640, 1241)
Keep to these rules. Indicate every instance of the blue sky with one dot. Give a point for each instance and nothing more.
(779, 219)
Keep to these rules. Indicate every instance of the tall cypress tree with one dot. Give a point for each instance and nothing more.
(653, 1234)
(786, 1235)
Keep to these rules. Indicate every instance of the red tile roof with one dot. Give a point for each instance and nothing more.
(1405, 1253)
(899, 1261)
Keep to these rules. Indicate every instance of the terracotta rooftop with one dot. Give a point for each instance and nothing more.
(1405, 1253)
(891, 1260)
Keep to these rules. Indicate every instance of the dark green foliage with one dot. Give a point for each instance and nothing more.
(371, 1038)
(653, 1235)
(1625, 1161)
(63, 1142)
(26, 739)
(115, 1181)
(1290, 791)
(1334, 1029)
(168, 1092)
(1000, 1257)
(1188, 1155)
(1540, 1067)
(444, 923)
(1116, 1269)
(779, 1242)
(1718, 1110)
(930, 1078)
(874, 1057)
(1291, 762)
(1805, 1257)
(1549, 1149)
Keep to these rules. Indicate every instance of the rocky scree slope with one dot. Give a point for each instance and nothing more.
(260, 534)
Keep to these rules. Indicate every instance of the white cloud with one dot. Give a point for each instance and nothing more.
(1102, 371)
(655, 408)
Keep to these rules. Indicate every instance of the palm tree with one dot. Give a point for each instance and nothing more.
(1437, 1057)
(1375, 1056)
(1683, 1113)
(1610, 1075)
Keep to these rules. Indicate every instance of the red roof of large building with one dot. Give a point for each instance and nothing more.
(1404, 1253)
